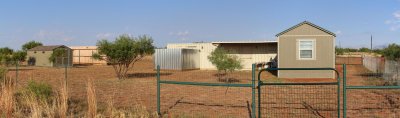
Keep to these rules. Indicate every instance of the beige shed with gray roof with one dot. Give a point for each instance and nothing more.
(39, 56)
(306, 45)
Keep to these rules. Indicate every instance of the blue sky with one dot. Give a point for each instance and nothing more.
(83, 22)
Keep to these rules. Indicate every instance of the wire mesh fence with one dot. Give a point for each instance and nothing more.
(205, 101)
(211, 101)
(206, 93)
(114, 96)
(373, 103)
(299, 101)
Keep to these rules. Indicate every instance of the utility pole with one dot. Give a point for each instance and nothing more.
(371, 43)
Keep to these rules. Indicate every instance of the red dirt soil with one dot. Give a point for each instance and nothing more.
(140, 89)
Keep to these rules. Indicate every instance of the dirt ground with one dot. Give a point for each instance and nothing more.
(140, 89)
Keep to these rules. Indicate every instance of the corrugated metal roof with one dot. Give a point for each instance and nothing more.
(46, 48)
(308, 23)
(219, 42)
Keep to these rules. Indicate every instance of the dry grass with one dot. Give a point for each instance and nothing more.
(63, 104)
(91, 99)
(7, 99)
(24, 103)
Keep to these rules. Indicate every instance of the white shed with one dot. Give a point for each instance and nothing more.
(83, 55)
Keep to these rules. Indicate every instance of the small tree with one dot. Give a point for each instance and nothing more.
(19, 56)
(224, 62)
(58, 52)
(124, 52)
(30, 45)
(6, 56)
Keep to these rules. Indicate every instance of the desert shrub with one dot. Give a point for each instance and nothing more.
(224, 62)
(124, 52)
(341, 51)
(392, 52)
(364, 49)
(40, 90)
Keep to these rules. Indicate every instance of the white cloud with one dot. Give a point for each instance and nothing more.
(394, 23)
(395, 27)
(396, 15)
(338, 32)
(52, 35)
(181, 35)
(184, 33)
(388, 22)
(104, 35)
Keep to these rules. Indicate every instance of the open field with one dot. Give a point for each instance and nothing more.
(140, 89)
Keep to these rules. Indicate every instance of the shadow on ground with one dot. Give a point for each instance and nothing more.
(144, 75)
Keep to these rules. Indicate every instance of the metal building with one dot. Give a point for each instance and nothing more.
(177, 59)
(249, 52)
(205, 50)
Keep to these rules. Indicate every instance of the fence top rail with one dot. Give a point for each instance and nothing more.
(321, 83)
(372, 87)
(205, 84)
(273, 69)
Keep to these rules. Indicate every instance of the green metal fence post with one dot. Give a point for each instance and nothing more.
(158, 90)
(344, 91)
(259, 94)
(338, 95)
(253, 91)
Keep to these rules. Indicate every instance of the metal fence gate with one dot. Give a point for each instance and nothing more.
(277, 100)
(370, 101)
(213, 87)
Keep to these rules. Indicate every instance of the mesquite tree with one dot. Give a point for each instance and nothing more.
(124, 52)
(224, 62)
(30, 45)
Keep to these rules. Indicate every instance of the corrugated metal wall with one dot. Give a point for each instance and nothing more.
(191, 59)
(169, 59)
(177, 59)
(205, 50)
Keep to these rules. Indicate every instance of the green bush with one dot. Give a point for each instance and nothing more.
(392, 52)
(40, 90)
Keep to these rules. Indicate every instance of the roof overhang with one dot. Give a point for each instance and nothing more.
(243, 42)
(308, 23)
